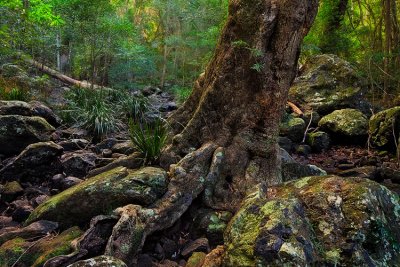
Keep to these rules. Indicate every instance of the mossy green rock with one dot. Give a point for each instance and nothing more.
(316, 221)
(293, 128)
(196, 260)
(318, 141)
(10, 190)
(381, 128)
(36, 253)
(17, 132)
(328, 83)
(101, 195)
(345, 122)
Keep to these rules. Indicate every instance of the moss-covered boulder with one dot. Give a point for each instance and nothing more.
(293, 128)
(327, 83)
(382, 125)
(102, 194)
(317, 221)
(318, 141)
(10, 190)
(24, 253)
(17, 132)
(347, 123)
(101, 261)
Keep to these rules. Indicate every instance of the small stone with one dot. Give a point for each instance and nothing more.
(57, 179)
(39, 200)
(303, 150)
(107, 153)
(78, 163)
(125, 148)
(74, 144)
(318, 141)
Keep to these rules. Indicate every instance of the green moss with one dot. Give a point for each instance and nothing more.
(349, 122)
(302, 182)
(337, 212)
(196, 260)
(36, 253)
(333, 256)
(10, 251)
(101, 194)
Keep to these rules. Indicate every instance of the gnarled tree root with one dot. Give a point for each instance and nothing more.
(195, 173)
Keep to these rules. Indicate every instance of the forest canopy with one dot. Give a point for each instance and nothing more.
(125, 44)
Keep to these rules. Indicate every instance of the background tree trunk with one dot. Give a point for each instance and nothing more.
(226, 133)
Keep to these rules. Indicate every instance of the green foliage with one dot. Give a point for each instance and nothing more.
(133, 107)
(14, 94)
(181, 93)
(149, 138)
(103, 111)
(91, 110)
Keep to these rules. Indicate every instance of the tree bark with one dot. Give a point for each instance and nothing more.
(226, 133)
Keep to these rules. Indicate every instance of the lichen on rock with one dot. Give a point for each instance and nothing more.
(382, 125)
(36, 253)
(317, 221)
(102, 194)
(350, 123)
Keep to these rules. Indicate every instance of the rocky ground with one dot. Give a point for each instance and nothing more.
(62, 195)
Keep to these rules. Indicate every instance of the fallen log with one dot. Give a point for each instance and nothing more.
(58, 75)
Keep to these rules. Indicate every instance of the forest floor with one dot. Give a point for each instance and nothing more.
(339, 159)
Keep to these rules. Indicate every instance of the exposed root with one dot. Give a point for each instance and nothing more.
(91, 244)
(189, 178)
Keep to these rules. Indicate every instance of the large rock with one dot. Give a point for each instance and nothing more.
(327, 83)
(33, 108)
(102, 194)
(15, 108)
(382, 125)
(38, 161)
(317, 221)
(34, 253)
(39, 109)
(347, 123)
(17, 132)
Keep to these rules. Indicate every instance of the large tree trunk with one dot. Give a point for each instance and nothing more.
(226, 133)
